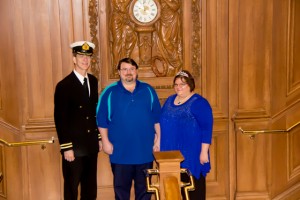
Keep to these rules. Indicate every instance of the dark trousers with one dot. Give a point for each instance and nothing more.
(123, 176)
(83, 171)
(200, 188)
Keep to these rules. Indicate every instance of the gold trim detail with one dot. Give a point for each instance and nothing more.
(151, 187)
(187, 186)
(85, 46)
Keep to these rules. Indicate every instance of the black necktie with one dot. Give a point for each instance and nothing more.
(85, 86)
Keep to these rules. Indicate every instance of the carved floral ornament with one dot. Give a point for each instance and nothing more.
(156, 45)
(93, 21)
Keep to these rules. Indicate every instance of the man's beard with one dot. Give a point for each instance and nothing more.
(129, 78)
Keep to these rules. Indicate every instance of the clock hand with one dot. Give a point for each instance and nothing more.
(139, 7)
(144, 10)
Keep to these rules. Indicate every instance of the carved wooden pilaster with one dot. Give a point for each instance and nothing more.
(93, 14)
(196, 39)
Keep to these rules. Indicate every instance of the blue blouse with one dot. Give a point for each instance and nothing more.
(185, 127)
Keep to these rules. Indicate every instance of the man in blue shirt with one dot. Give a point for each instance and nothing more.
(128, 115)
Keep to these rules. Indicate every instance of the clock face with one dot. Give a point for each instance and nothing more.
(145, 11)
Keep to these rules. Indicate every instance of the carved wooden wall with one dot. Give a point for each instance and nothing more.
(244, 55)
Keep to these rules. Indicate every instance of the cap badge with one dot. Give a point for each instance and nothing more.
(85, 46)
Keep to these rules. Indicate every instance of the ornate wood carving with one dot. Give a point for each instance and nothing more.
(293, 60)
(161, 47)
(196, 38)
(93, 20)
(123, 37)
(157, 47)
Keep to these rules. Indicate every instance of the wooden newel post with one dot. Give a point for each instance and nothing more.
(168, 163)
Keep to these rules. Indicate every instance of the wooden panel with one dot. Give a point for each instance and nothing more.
(254, 44)
(215, 56)
(9, 82)
(252, 159)
(218, 179)
(293, 161)
(43, 166)
(293, 62)
(43, 31)
(252, 61)
(35, 41)
(249, 89)
(11, 165)
(279, 56)
(285, 156)
(105, 177)
(0, 97)
(3, 191)
(286, 109)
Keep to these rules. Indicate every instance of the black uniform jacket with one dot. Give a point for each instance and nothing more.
(75, 115)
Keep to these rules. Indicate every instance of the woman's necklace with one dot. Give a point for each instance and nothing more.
(180, 101)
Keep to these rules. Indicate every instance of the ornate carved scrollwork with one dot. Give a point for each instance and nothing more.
(196, 44)
(157, 46)
(166, 35)
(93, 20)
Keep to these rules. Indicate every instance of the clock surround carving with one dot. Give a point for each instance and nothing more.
(116, 42)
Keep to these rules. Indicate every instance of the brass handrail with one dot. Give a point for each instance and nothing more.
(253, 133)
(189, 186)
(27, 143)
(152, 187)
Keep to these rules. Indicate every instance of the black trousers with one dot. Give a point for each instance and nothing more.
(123, 177)
(200, 188)
(83, 171)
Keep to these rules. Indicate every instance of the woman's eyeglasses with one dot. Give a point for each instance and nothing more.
(180, 85)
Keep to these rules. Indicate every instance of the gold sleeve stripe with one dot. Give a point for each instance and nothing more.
(99, 136)
(66, 145)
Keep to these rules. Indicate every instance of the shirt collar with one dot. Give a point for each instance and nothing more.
(80, 77)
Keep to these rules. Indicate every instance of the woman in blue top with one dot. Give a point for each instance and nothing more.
(186, 125)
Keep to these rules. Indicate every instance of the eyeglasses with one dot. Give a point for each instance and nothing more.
(127, 70)
(182, 85)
